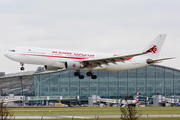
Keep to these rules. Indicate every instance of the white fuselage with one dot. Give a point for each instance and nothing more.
(128, 102)
(57, 58)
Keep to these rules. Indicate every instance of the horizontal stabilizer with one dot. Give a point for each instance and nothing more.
(150, 61)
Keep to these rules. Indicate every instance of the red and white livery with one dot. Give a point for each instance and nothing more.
(130, 102)
(54, 59)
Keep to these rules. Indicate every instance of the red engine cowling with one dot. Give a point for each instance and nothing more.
(71, 65)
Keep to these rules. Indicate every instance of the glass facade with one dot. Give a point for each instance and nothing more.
(17, 85)
(148, 81)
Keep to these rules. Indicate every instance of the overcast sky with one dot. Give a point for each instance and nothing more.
(108, 26)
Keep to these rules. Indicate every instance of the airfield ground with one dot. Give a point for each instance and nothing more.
(91, 111)
(104, 119)
(154, 113)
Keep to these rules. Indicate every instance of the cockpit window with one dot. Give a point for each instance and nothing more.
(12, 50)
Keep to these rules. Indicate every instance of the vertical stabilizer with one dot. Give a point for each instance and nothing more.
(156, 46)
(137, 98)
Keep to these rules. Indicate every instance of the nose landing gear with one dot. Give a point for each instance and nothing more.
(22, 68)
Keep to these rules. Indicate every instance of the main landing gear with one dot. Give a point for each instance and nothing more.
(22, 68)
(91, 74)
(77, 73)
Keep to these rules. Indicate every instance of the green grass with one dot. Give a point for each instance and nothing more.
(106, 119)
(91, 111)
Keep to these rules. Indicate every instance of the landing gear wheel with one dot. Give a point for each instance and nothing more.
(76, 74)
(89, 74)
(81, 77)
(22, 68)
(93, 76)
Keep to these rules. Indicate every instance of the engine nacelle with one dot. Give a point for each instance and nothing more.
(50, 68)
(71, 65)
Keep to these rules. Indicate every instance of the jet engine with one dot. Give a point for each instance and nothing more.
(71, 65)
(50, 68)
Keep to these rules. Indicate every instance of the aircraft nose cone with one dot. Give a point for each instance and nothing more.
(6, 54)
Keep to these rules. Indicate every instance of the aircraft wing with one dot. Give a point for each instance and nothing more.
(114, 59)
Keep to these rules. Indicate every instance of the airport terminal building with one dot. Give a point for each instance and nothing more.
(148, 81)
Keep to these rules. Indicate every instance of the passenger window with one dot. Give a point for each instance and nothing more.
(12, 50)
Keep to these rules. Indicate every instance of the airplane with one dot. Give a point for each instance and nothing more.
(55, 59)
(130, 102)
